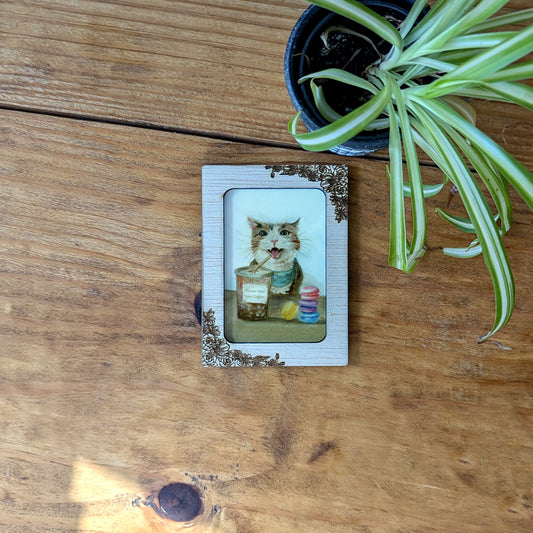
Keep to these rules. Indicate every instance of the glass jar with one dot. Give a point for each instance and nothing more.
(253, 292)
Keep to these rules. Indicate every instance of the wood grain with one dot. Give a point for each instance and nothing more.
(213, 68)
(103, 398)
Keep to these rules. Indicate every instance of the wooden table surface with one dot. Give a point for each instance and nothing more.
(108, 110)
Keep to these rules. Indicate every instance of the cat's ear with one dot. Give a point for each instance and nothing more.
(253, 223)
(295, 224)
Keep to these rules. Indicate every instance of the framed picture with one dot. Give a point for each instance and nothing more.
(274, 265)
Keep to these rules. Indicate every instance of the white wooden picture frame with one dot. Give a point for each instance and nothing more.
(291, 310)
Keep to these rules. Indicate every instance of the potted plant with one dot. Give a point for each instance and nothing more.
(425, 66)
(322, 39)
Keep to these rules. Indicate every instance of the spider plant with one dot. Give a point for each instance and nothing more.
(456, 50)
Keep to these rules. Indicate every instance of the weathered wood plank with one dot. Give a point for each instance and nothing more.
(208, 67)
(103, 398)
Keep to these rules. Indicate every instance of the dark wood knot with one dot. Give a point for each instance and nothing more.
(177, 501)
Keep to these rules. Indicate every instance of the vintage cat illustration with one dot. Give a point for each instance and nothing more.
(280, 242)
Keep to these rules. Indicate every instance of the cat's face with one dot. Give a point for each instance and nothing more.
(279, 241)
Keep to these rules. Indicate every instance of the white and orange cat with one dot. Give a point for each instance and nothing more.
(280, 243)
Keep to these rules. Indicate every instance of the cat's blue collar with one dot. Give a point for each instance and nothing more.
(284, 277)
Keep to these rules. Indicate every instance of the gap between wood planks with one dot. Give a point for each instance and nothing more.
(170, 129)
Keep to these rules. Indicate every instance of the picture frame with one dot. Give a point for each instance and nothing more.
(274, 265)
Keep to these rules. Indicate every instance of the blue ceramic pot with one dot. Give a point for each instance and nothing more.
(307, 30)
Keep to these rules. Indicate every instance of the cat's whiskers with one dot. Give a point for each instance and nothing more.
(305, 246)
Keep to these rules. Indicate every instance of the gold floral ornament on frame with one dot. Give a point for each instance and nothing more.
(216, 350)
(332, 178)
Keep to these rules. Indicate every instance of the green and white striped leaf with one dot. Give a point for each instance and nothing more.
(397, 232)
(412, 16)
(477, 40)
(338, 74)
(464, 253)
(416, 249)
(517, 175)
(462, 107)
(322, 106)
(498, 187)
(472, 16)
(523, 15)
(440, 17)
(516, 93)
(463, 224)
(427, 190)
(487, 62)
(342, 129)
(456, 18)
(515, 72)
(479, 213)
(363, 15)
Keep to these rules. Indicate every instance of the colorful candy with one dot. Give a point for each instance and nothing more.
(309, 305)
(310, 293)
(289, 310)
(309, 318)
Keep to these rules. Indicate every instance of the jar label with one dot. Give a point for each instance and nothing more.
(255, 293)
